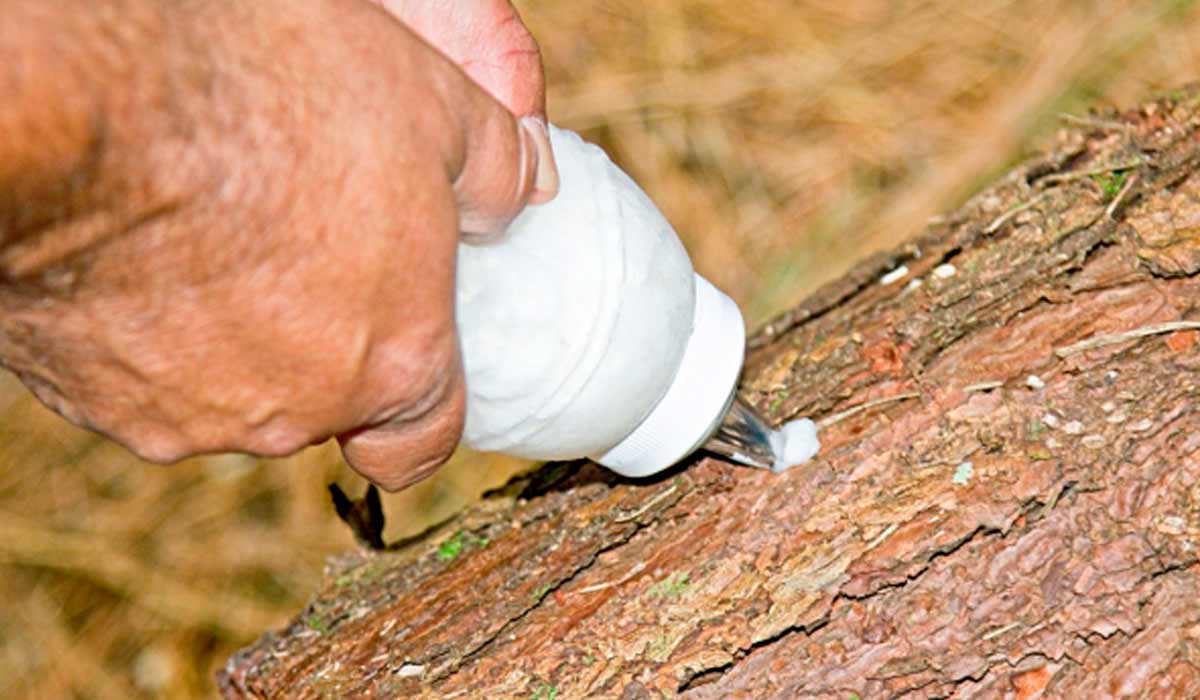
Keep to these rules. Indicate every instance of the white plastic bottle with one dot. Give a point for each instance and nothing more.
(586, 333)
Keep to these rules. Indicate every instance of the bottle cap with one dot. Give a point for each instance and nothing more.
(698, 396)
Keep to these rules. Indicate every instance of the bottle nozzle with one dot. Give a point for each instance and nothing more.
(745, 437)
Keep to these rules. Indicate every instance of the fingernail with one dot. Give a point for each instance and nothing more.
(545, 180)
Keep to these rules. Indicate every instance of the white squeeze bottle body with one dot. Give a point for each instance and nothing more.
(586, 333)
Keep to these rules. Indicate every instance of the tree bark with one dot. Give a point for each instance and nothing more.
(1006, 504)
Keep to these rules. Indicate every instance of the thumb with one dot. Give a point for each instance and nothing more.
(505, 164)
(489, 43)
(410, 447)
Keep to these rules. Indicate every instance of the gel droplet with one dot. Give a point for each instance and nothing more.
(794, 443)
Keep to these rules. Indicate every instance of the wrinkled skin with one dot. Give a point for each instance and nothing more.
(262, 253)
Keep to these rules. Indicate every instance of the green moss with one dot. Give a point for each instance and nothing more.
(544, 691)
(452, 546)
(315, 622)
(1111, 183)
(670, 587)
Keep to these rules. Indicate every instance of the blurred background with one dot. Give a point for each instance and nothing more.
(784, 139)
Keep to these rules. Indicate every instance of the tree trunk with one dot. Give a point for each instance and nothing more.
(1007, 501)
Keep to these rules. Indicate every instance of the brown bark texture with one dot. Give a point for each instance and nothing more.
(1006, 504)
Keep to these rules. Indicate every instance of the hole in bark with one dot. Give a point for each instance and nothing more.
(950, 255)
(1040, 170)
(712, 675)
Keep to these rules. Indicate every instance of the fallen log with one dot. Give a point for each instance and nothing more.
(1007, 502)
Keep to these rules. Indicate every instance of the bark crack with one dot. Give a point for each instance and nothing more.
(639, 525)
(712, 674)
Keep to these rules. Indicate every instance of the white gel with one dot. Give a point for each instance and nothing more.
(794, 443)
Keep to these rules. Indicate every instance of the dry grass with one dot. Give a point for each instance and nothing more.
(784, 140)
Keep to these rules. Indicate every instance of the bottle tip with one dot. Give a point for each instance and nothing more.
(745, 437)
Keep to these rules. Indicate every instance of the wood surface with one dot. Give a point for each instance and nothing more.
(1006, 504)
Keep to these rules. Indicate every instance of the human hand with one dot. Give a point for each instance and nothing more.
(264, 253)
